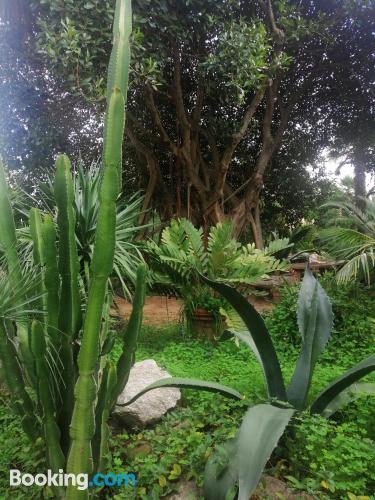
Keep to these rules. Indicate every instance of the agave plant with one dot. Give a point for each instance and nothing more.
(53, 342)
(351, 236)
(239, 465)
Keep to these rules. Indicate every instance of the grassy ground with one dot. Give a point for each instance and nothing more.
(327, 459)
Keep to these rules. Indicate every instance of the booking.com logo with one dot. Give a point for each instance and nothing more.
(63, 479)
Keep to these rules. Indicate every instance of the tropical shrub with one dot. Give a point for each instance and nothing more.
(181, 258)
(351, 236)
(86, 187)
(237, 466)
(53, 345)
(352, 305)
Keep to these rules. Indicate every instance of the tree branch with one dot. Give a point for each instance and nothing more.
(236, 139)
(150, 101)
(180, 107)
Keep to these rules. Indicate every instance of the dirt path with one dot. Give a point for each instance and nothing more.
(159, 310)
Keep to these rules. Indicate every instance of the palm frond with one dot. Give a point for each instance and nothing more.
(86, 183)
(22, 300)
(345, 242)
(351, 236)
(362, 264)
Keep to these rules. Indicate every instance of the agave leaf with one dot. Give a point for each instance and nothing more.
(246, 455)
(258, 330)
(221, 473)
(187, 383)
(258, 435)
(315, 319)
(340, 384)
(347, 396)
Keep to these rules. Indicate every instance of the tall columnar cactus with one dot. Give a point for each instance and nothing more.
(51, 430)
(118, 68)
(51, 280)
(82, 428)
(69, 318)
(14, 379)
(72, 385)
(130, 335)
(13, 374)
(8, 241)
(83, 422)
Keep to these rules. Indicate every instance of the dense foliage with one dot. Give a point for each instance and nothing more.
(230, 104)
(313, 457)
(350, 236)
(353, 324)
(232, 49)
(236, 467)
(54, 342)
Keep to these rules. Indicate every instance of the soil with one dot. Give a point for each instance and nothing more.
(157, 310)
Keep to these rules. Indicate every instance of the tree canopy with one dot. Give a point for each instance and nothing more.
(229, 100)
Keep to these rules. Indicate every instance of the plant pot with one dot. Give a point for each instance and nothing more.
(204, 324)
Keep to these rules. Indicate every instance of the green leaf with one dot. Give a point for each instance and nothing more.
(187, 383)
(258, 435)
(315, 319)
(220, 475)
(258, 330)
(347, 396)
(241, 461)
(355, 373)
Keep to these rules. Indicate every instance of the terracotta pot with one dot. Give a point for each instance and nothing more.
(204, 324)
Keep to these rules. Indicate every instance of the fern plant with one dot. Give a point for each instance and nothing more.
(182, 257)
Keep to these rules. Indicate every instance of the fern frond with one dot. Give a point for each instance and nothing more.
(223, 249)
(276, 246)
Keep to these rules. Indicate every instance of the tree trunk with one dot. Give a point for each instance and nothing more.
(247, 213)
(360, 183)
(256, 225)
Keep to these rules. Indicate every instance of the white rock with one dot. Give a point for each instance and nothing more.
(150, 407)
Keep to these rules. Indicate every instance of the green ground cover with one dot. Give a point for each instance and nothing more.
(328, 459)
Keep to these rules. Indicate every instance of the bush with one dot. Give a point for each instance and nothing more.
(17, 453)
(354, 317)
(337, 459)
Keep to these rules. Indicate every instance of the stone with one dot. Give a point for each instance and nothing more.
(186, 490)
(150, 407)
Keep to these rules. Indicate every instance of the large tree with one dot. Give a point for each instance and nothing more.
(349, 100)
(220, 91)
(38, 118)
